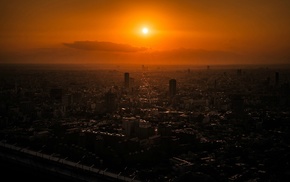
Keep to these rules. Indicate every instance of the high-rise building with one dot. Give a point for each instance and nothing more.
(110, 101)
(129, 125)
(145, 130)
(172, 87)
(127, 80)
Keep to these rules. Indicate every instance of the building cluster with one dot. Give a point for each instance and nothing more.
(215, 124)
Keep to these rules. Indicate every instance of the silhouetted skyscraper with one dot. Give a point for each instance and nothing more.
(172, 87)
(110, 101)
(127, 80)
(129, 125)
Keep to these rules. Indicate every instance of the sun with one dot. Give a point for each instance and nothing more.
(145, 30)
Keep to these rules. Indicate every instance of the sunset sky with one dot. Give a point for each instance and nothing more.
(179, 32)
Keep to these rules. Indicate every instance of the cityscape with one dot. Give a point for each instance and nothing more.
(145, 91)
(147, 123)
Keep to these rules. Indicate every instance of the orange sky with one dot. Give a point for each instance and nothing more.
(183, 31)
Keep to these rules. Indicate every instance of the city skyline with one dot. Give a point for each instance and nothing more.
(159, 91)
(210, 124)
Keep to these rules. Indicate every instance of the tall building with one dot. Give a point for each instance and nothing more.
(127, 80)
(129, 125)
(110, 101)
(172, 87)
(145, 130)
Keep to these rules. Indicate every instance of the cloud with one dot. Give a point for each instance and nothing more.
(103, 46)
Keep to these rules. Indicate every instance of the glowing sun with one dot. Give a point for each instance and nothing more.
(145, 30)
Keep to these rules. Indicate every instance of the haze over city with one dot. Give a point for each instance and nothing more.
(145, 91)
(177, 32)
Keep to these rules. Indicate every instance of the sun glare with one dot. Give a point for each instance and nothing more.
(145, 30)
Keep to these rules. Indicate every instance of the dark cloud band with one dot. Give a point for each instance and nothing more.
(103, 46)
